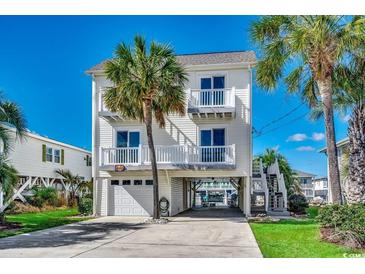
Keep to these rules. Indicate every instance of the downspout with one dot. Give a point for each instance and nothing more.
(94, 150)
(251, 148)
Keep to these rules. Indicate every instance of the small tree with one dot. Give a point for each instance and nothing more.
(10, 114)
(291, 182)
(74, 183)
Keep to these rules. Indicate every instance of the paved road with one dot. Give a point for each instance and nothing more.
(194, 234)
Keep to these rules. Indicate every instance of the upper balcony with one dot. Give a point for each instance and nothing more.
(202, 103)
(169, 157)
(209, 103)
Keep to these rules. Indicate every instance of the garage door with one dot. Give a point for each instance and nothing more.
(130, 200)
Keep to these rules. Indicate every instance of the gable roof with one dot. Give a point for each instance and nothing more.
(34, 135)
(339, 144)
(303, 174)
(210, 58)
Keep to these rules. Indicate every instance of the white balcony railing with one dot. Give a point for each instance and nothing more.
(176, 154)
(200, 98)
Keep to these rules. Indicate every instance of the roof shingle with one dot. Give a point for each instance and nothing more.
(234, 57)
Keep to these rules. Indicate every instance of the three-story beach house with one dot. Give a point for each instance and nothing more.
(212, 141)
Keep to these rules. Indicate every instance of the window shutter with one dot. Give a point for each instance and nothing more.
(62, 157)
(44, 153)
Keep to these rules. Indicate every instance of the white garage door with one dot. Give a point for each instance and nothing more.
(133, 200)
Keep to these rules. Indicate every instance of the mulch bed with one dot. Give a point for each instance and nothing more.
(10, 226)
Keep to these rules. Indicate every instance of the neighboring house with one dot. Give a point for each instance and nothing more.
(321, 188)
(213, 139)
(306, 183)
(36, 158)
(217, 192)
(268, 191)
(342, 147)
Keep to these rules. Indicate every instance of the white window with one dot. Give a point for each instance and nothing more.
(49, 154)
(57, 156)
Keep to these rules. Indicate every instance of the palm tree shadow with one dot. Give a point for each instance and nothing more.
(77, 233)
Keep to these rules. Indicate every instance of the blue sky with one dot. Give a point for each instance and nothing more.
(43, 61)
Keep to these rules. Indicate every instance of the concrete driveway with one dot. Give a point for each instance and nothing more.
(194, 234)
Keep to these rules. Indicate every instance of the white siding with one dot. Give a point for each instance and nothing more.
(184, 130)
(181, 130)
(26, 157)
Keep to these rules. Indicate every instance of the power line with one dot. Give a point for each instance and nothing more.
(278, 127)
(279, 119)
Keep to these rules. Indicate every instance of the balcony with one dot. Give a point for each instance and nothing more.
(208, 103)
(104, 112)
(202, 103)
(169, 157)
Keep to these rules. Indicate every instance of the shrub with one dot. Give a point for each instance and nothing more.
(312, 211)
(62, 201)
(297, 203)
(43, 196)
(346, 222)
(19, 208)
(85, 206)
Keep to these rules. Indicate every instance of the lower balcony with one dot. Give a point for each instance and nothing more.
(169, 157)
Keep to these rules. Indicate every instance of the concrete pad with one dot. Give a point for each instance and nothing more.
(203, 233)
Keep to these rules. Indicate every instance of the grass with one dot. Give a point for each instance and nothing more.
(296, 239)
(42, 220)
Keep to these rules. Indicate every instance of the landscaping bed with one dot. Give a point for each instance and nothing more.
(28, 222)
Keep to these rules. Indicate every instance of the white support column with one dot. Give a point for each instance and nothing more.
(246, 185)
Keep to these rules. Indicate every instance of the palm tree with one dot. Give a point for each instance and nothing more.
(10, 115)
(310, 47)
(350, 95)
(8, 180)
(148, 83)
(74, 183)
(291, 182)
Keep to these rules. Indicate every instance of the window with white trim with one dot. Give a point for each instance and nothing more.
(49, 154)
(57, 156)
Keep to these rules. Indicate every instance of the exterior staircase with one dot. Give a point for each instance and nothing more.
(268, 191)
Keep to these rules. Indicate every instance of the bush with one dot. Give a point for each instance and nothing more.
(297, 203)
(346, 222)
(312, 211)
(85, 206)
(44, 196)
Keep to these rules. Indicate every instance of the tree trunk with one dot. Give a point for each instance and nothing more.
(325, 90)
(2, 217)
(194, 194)
(355, 190)
(147, 109)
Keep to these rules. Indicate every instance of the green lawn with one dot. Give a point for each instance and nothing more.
(295, 239)
(37, 221)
